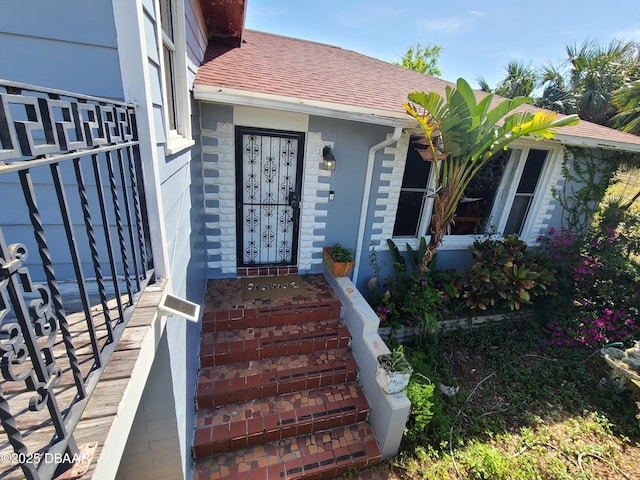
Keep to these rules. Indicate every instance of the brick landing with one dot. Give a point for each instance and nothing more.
(278, 396)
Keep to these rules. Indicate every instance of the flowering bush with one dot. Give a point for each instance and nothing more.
(598, 300)
(607, 326)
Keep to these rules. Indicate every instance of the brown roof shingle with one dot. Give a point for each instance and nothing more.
(300, 69)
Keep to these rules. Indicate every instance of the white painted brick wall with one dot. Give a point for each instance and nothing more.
(223, 216)
(389, 191)
(313, 220)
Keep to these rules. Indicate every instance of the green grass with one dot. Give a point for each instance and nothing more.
(524, 409)
(627, 186)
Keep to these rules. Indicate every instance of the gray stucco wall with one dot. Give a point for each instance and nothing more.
(352, 142)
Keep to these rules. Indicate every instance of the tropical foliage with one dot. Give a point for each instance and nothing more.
(627, 102)
(422, 59)
(467, 133)
(520, 81)
(599, 83)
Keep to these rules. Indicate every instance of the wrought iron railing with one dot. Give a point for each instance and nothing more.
(71, 196)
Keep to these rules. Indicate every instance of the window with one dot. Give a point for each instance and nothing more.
(168, 53)
(415, 195)
(500, 197)
(473, 214)
(526, 188)
(174, 71)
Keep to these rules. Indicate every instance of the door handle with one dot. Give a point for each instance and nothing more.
(293, 199)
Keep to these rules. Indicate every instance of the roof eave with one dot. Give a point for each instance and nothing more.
(225, 20)
(232, 96)
(596, 143)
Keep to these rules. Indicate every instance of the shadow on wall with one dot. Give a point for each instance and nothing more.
(153, 449)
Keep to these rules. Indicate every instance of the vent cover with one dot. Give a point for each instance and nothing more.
(180, 307)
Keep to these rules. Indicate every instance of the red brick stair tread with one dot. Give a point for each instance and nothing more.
(220, 348)
(244, 381)
(325, 454)
(277, 392)
(278, 417)
(224, 300)
(272, 315)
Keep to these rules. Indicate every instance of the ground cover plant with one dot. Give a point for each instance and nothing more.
(530, 396)
(502, 402)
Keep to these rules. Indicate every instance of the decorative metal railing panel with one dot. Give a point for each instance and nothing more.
(74, 259)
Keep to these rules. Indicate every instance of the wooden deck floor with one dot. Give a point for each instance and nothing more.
(96, 420)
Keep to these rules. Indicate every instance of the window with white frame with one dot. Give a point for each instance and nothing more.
(174, 80)
(500, 197)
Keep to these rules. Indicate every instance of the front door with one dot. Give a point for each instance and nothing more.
(269, 174)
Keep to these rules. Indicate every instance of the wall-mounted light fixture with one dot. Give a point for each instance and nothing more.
(329, 159)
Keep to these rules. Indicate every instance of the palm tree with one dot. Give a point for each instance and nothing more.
(521, 81)
(593, 73)
(484, 85)
(556, 95)
(463, 135)
(627, 101)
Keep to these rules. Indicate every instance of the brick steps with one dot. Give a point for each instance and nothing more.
(277, 393)
(278, 417)
(322, 455)
(242, 317)
(234, 346)
(246, 381)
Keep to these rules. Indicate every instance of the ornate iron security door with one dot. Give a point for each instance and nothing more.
(269, 173)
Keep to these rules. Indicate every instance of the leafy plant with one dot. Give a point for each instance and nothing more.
(504, 274)
(413, 298)
(468, 133)
(341, 254)
(422, 59)
(420, 392)
(598, 300)
(587, 176)
(396, 361)
(414, 256)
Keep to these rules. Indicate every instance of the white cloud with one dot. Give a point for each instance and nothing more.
(453, 25)
(627, 35)
(446, 25)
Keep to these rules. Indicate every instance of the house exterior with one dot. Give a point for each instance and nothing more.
(380, 187)
(223, 116)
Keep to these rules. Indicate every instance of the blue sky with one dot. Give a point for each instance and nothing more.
(477, 38)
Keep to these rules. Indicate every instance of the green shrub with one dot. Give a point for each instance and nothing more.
(598, 300)
(420, 393)
(504, 274)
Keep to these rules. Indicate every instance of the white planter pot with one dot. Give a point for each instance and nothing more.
(392, 382)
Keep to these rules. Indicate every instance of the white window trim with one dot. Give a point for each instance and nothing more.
(180, 138)
(506, 190)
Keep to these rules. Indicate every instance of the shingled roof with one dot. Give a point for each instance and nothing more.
(281, 72)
